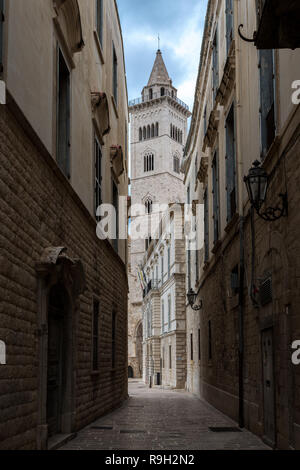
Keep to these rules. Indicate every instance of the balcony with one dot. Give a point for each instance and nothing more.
(152, 285)
(155, 96)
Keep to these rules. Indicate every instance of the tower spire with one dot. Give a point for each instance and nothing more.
(158, 42)
(159, 74)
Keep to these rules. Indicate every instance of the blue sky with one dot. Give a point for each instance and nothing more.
(180, 25)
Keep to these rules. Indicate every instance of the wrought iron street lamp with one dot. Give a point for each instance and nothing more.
(192, 296)
(257, 182)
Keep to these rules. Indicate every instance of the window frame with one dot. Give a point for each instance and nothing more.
(115, 74)
(63, 159)
(99, 20)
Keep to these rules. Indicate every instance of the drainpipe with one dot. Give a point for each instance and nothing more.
(241, 325)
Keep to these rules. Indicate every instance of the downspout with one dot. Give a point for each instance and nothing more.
(241, 324)
(240, 176)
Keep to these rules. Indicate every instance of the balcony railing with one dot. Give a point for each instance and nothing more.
(155, 96)
(152, 285)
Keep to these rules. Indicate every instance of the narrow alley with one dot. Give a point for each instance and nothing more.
(157, 419)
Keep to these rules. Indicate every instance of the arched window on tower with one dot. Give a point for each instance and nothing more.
(152, 131)
(144, 133)
(162, 91)
(181, 137)
(148, 132)
(148, 162)
(156, 129)
(149, 206)
(176, 165)
(150, 94)
(140, 134)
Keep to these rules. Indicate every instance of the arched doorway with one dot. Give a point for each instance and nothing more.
(139, 349)
(130, 372)
(58, 307)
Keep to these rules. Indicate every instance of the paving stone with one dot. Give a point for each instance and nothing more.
(157, 419)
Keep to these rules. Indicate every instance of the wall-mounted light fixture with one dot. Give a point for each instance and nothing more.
(192, 296)
(257, 182)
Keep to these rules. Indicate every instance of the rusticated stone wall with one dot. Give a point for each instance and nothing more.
(39, 209)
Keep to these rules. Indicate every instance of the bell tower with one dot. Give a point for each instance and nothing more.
(158, 134)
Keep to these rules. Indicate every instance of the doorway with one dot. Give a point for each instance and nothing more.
(130, 372)
(268, 386)
(57, 358)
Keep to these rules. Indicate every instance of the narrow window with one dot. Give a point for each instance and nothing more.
(95, 341)
(169, 313)
(192, 348)
(157, 130)
(113, 340)
(116, 206)
(206, 226)
(170, 357)
(150, 94)
(205, 120)
(209, 341)
(199, 345)
(99, 22)
(229, 23)
(176, 164)
(162, 269)
(115, 75)
(152, 130)
(148, 132)
(234, 280)
(230, 165)
(162, 317)
(216, 214)
(189, 267)
(215, 65)
(162, 91)
(267, 100)
(144, 133)
(1, 34)
(169, 261)
(171, 130)
(63, 117)
(98, 175)
(148, 206)
(140, 134)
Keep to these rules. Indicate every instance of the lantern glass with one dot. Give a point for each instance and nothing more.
(257, 184)
(191, 295)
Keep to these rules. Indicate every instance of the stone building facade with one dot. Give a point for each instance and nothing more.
(158, 132)
(246, 275)
(63, 151)
(164, 345)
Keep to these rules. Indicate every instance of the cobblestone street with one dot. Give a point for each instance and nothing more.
(156, 419)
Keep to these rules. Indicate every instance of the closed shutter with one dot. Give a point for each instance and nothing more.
(230, 165)
(206, 226)
(1, 33)
(267, 90)
(216, 197)
(229, 23)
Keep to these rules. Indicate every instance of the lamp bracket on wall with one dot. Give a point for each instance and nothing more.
(274, 213)
(244, 37)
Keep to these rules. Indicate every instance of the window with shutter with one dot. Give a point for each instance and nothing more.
(99, 20)
(115, 75)
(229, 23)
(216, 212)
(230, 165)
(206, 226)
(267, 100)
(215, 65)
(1, 34)
(63, 115)
(98, 174)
